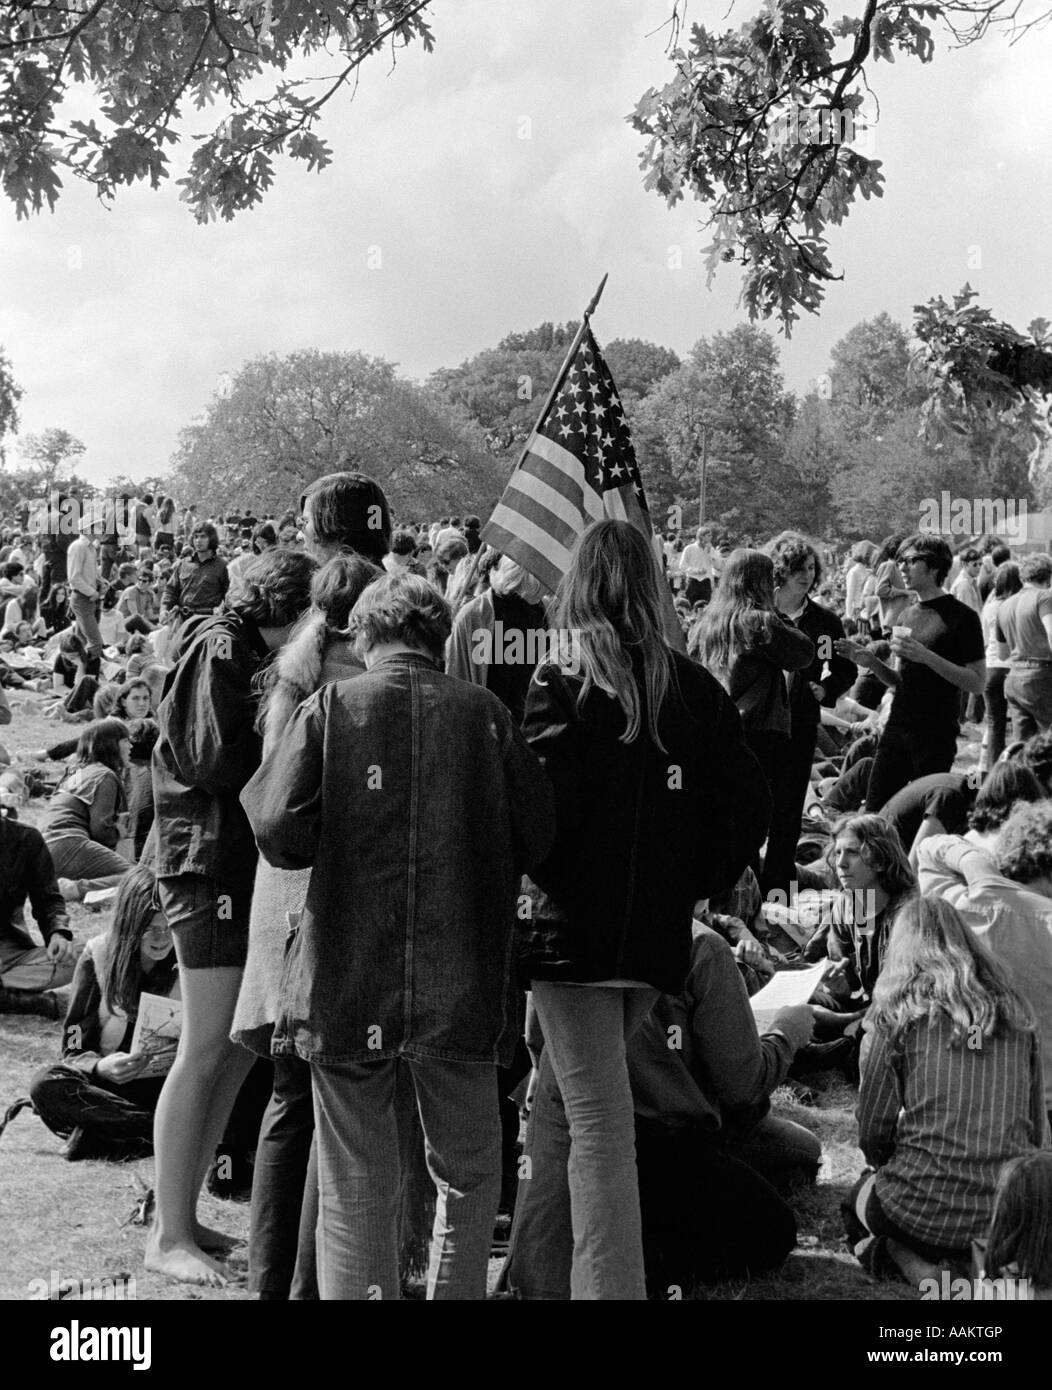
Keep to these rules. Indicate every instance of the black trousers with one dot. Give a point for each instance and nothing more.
(706, 1215)
(284, 1211)
(67, 1098)
(903, 755)
(789, 775)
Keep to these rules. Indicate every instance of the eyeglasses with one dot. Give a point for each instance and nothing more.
(912, 559)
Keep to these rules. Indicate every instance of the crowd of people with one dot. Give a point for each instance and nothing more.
(463, 889)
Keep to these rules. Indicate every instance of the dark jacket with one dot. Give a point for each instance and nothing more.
(206, 751)
(641, 834)
(756, 680)
(418, 803)
(196, 586)
(26, 870)
(818, 623)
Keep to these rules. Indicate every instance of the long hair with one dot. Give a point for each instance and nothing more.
(610, 601)
(125, 690)
(100, 742)
(295, 673)
(1005, 784)
(881, 849)
(934, 965)
(205, 528)
(790, 551)
(889, 547)
(166, 511)
(1021, 1226)
(740, 615)
(134, 909)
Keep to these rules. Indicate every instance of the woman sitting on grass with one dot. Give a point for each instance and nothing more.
(951, 1089)
(96, 1096)
(84, 820)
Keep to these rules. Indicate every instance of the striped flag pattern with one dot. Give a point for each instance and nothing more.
(578, 466)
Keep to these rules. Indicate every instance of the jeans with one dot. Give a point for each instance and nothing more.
(92, 866)
(707, 1209)
(903, 755)
(32, 970)
(284, 1213)
(592, 1154)
(1029, 693)
(996, 713)
(360, 1174)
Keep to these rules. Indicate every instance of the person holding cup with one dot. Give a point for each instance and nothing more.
(937, 642)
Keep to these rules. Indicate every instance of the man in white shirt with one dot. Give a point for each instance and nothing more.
(696, 567)
(83, 574)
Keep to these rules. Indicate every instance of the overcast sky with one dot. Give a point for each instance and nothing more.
(120, 323)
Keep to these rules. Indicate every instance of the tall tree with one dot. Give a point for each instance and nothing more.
(47, 455)
(504, 388)
(284, 421)
(728, 395)
(883, 463)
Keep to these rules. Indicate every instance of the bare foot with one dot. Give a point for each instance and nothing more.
(215, 1241)
(184, 1263)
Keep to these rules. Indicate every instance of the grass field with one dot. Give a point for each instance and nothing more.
(75, 1218)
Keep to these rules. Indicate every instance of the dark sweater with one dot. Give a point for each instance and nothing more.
(756, 682)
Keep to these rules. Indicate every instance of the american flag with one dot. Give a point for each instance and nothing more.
(578, 466)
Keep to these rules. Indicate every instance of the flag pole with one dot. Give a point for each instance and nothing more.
(582, 328)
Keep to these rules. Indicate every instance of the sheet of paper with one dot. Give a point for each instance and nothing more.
(786, 988)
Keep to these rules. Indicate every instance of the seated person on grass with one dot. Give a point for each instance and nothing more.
(951, 1090)
(97, 1097)
(29, 973)
(873, 879)
(1007, 903)
(713, 1164)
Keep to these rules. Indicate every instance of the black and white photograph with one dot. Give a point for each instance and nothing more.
(526, 668)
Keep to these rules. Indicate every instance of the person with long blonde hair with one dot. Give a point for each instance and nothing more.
(951, 1089)
(659, 803)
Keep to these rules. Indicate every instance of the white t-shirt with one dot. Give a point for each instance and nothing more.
(696, 561)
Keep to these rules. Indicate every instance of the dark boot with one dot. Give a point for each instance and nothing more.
(28, 1001)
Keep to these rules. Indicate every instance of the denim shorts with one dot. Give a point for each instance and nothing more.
(208, 920)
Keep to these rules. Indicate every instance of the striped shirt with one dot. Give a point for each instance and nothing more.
(940, 1120)
(1012, 921)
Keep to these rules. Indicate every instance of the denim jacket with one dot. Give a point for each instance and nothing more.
(419, 805)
